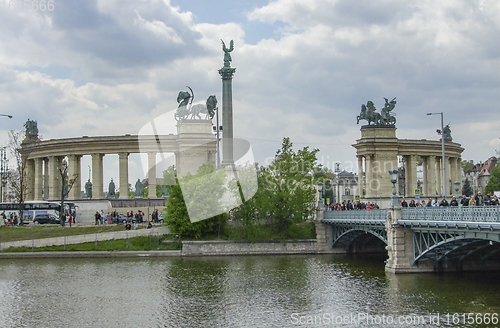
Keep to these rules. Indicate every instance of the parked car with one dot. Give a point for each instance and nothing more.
(160, 218)
(46, 218)
(122, 219)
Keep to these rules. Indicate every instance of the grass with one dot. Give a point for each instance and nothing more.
(28, 232)
(141, 243)
(305, 230)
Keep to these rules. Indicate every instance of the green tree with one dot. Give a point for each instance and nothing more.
(207, 182)
(286, 189)
(466, 188)
(494, 183)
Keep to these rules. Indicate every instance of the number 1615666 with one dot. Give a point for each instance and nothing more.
(27, 5)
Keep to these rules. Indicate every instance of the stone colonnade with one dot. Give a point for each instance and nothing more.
(378, 151)
(193, 146)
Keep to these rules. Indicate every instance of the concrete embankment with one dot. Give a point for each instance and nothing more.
(193, 248)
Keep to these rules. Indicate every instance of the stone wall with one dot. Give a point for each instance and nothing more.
(222, 247)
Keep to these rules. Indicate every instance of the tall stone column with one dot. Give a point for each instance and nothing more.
(74, 172)
(450, 176)
(54, 178)
(46, 178)
(123, 172)
(439, 174)
(227, 73)
(152, 175)
(425, 181)
(97, 191)
(38, 179)
(360, 175)
(369, 176)
(459, 169)
(30, 179)
(411, 175)
(431, 176)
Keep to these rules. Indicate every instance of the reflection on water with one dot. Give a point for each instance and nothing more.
(253, 291)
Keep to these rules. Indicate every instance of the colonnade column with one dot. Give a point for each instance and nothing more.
(74, 172)
(369, 176)
(411, 174)
(360, 175)
(29, 177)
(97, 176)
(459, 170)
(152, 175)
(38, 179)
(123, 173)
(425, 182)
(450, 176)
(54, 178)
(431, 176)
(439, 174)
(46, 179)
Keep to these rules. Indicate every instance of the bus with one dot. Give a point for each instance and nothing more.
(32, 208)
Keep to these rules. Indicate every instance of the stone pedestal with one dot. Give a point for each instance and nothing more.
(196, 145)
(379, 146)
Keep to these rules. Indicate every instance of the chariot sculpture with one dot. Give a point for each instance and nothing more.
(384, 118)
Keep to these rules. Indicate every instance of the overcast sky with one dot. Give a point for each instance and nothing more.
(303, 69)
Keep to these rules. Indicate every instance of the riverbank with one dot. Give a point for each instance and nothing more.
(190, 249)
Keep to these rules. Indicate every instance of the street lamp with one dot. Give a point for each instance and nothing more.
(320, 191)
(456, 183)
(3, 171)
(443, 164)
(394, 179)
(9, 116)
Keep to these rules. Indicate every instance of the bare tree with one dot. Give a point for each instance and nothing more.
(18, 178)
(20, 147)
(66, 185)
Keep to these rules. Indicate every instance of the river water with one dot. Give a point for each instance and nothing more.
(239, 291)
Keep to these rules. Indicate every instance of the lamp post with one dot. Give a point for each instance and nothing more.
(320, 193)
(456, 183)
(443, 164)
(9, 116)
(3, 171)
(394, 179)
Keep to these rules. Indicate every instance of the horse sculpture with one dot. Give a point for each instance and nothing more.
(188, 111)
(368, 113)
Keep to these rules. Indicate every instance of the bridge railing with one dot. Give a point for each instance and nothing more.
(354, 215)
(452, 213)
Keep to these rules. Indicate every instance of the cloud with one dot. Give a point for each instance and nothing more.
(110, 66)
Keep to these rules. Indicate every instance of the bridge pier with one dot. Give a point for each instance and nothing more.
(400, 246)
(324, 238)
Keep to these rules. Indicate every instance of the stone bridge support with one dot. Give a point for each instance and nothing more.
(323, 234)
(400, 246)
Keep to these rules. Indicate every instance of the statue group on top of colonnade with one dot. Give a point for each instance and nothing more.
(187, 109)
(384, 118)
(31, 130)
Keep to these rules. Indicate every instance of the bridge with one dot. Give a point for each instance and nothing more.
(422, 239)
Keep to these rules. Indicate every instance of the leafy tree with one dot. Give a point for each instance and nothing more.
(466, 188)
(286, 189)
(205, 182)
(494, 183)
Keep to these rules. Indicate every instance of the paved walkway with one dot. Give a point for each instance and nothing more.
(78, 239)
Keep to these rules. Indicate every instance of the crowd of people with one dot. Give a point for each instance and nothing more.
(11, 219)
(474, 200)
